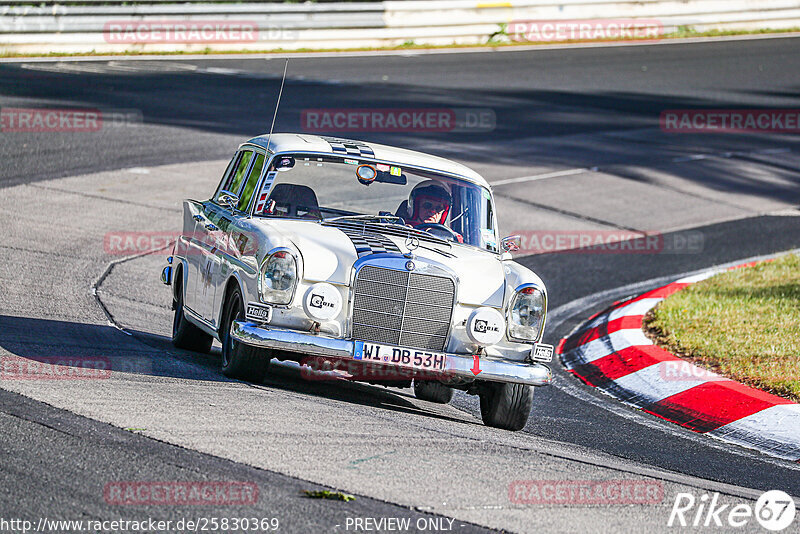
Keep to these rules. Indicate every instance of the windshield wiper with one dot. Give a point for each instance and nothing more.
(387, 219)
(388, 223)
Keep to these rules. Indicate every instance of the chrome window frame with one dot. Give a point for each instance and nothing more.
(251, 202)
(256, 151)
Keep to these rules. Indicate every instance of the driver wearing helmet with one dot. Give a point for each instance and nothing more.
(429, 203)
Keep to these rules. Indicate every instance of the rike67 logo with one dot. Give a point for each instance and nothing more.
(774, 510)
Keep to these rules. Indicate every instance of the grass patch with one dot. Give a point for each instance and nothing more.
(325, 494)
(744, 324)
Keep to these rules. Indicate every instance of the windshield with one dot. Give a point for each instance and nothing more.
(330, 187)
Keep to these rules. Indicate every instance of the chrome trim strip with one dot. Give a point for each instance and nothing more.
(459, 365)
(407, 316)
(400, 300)
(401, 329)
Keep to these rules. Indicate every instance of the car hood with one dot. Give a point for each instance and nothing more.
(328, 255)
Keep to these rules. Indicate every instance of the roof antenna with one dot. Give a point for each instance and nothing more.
(278, 103)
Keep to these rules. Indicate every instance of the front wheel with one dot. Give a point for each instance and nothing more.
(239, 360)
(506, 406)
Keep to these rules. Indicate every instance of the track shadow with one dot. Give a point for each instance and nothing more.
(215, 112)
(46, 349)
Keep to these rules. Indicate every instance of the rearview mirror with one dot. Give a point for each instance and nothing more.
(511, 243)
(228, 200)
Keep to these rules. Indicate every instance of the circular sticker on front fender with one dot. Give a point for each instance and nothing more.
(322, 302)
(486, 326)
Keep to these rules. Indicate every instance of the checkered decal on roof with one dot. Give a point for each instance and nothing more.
(370, 242)
(349, 147)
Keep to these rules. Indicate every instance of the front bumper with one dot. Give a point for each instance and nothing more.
(533, 374)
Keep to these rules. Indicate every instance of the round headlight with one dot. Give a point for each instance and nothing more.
(526, 314)
(278, 278)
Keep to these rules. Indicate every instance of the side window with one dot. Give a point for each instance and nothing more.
(235, 174)
(238, 176)
(250, 185)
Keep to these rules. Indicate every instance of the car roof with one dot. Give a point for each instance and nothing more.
(294, 142)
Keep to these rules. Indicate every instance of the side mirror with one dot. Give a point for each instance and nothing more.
(511, 243)
(228, 200)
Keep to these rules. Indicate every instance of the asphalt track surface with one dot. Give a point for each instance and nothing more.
(590, 112)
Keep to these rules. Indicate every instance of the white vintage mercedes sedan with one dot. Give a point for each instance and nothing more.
(323, 250)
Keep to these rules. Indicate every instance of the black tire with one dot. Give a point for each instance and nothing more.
(506, 406)
(432, 391)
(239, 360)
(185, 335)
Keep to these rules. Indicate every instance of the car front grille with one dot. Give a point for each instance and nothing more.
(402, 308)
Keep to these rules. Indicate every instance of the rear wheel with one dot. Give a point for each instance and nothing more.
(239, 360)
(506, 406)
(185, 335)
(433, 391)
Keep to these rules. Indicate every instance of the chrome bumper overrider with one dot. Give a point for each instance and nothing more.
(533, 374)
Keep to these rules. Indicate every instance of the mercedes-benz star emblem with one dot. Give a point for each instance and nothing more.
(410, 265)
(412, 243)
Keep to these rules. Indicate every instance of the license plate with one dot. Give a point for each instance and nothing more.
(387, 354)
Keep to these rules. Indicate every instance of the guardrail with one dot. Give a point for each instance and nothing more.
(111, 26)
